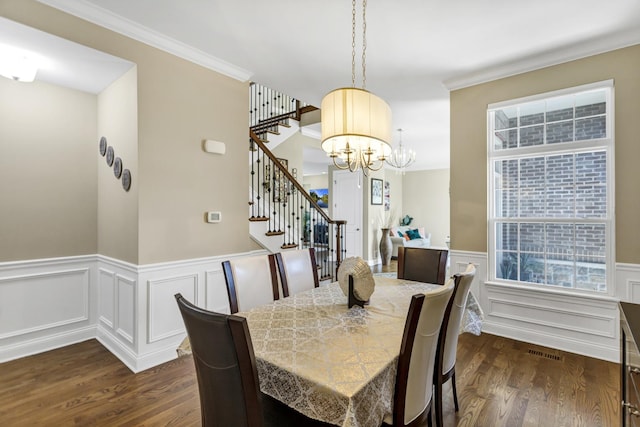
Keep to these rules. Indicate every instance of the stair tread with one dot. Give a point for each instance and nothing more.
(259, 218)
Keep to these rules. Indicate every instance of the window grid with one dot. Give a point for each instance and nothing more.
(563, 263)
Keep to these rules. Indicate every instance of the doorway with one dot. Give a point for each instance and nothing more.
(347, 205)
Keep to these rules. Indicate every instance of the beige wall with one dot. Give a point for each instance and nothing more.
(427, 201)
(469, 145)
(179, 105)
(118, 209)
(291, 149)
(315, 181)
(48, 179)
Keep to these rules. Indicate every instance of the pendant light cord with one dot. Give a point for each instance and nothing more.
(364, 44)
(353, 43)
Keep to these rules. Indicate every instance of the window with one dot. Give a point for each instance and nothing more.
(551, 189)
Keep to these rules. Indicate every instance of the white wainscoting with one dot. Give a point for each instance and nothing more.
(46, 304)
(578, 323)
(130, 309)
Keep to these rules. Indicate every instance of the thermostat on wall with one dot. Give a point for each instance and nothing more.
(214, 216)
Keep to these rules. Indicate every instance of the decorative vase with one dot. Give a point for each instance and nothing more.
(385, 247)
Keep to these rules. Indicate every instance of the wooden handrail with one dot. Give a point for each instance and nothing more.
(340, 224)
(291, 179)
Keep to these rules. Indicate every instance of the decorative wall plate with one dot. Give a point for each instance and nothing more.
(103, 146)
(110, 156)
(126, 179)
(117, 167)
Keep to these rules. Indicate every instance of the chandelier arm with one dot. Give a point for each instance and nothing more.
(368, 164)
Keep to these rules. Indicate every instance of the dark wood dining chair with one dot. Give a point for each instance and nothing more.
(448, 340)
(416, 363)
(227, 375)
(251, 281)
(427, 265)
(298, 270)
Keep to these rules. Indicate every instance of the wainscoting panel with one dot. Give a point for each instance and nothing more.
(107, 292)
(116, 328)
(45, 304)
(628, 282)
(126, 297)
(164, 319)
(584, 324)
(159, 320)
(216, 297)
(55, 298)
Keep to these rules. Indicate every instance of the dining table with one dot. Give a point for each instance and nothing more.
(333, 363)
(330, 362)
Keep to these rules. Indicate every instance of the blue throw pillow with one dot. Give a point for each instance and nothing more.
(413, 234)
(400, 234)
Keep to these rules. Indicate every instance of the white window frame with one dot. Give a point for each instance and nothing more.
(607, 144)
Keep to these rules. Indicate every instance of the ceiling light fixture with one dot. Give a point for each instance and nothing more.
(401, 158)
(356, 124)
(16, 66)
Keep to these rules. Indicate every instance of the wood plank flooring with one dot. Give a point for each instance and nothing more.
(501, 382)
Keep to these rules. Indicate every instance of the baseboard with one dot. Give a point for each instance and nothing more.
(112, 344)
(46, 343)
(137, 363)
(611, 354)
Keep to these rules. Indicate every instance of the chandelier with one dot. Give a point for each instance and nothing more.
(356, 124)
(401, 158)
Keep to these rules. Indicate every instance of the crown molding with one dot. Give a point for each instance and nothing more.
(548, 58)
(104, 18)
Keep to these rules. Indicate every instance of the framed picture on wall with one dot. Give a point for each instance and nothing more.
(376, 191)
(387, 195)
(321, 196)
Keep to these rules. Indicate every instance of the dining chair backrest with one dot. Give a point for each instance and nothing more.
(448, 340)
(298, 270)
(422, 264)
(453, 317)
(225, 367)
(414, 380)
(251, 282)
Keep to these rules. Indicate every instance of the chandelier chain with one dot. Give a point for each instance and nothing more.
(353, 43)
(364, 44)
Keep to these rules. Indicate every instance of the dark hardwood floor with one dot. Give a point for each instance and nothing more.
(501, 382)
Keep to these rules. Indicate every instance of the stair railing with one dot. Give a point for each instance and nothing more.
(269, 108)
(278, 199)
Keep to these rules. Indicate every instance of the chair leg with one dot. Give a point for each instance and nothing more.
(453, 384)
(429, 422)
(438, 400)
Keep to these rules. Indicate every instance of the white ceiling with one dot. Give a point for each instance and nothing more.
(416, 49)
(61, 61)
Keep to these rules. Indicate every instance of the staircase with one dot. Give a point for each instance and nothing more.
(282, 214)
